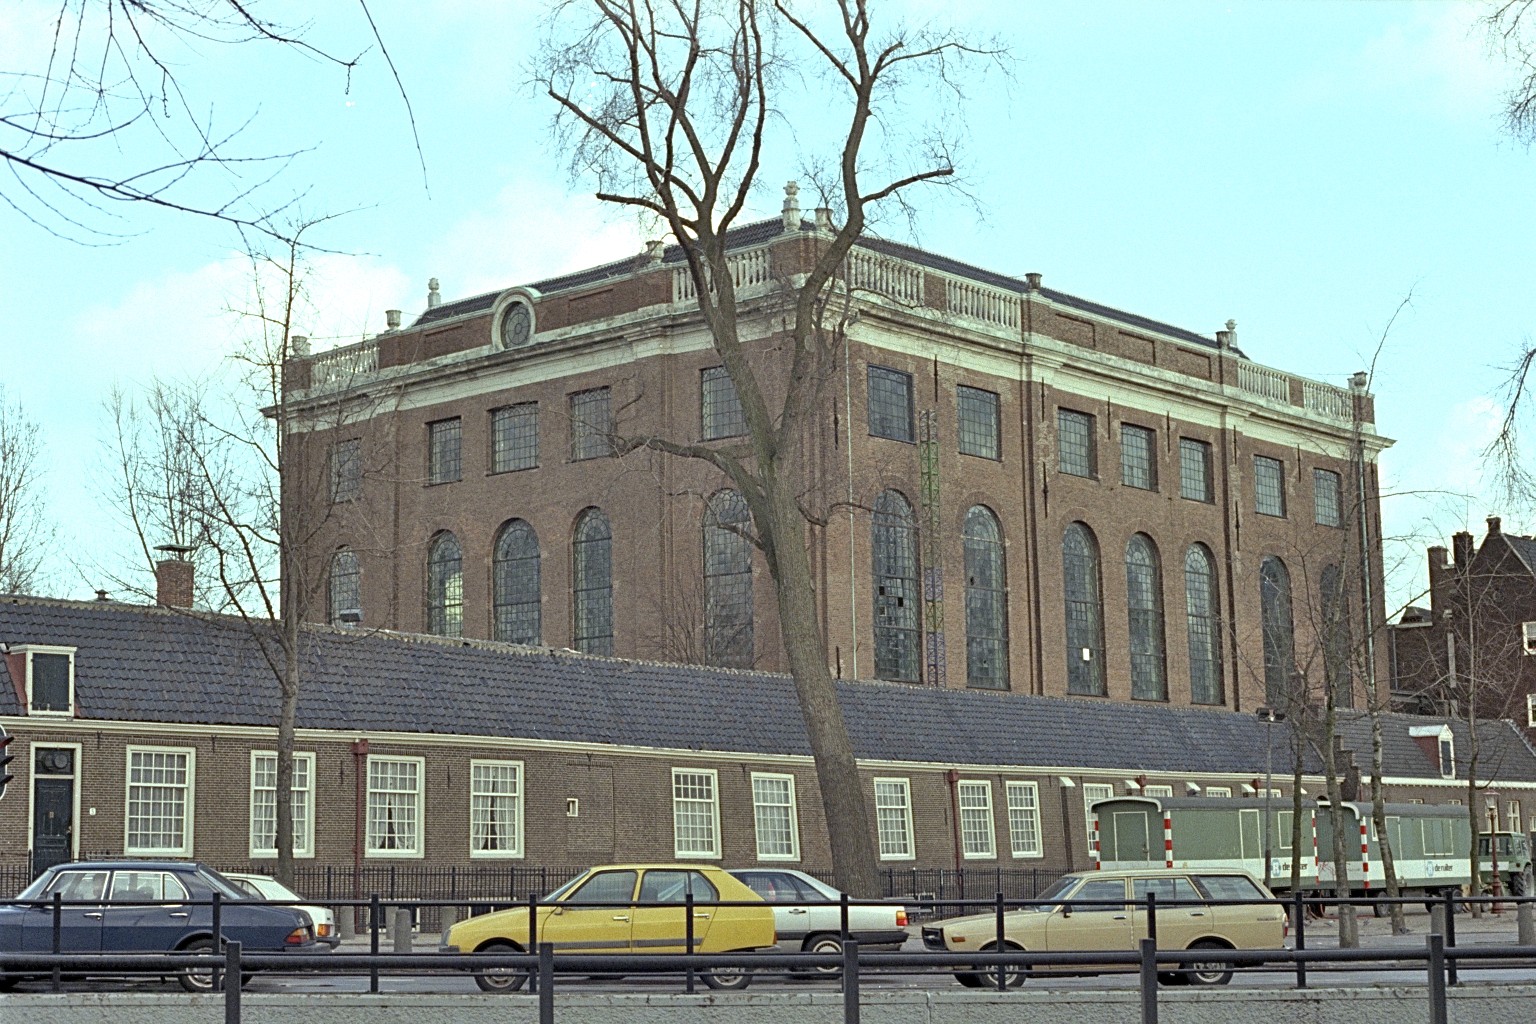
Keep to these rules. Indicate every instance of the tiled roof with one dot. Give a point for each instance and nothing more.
(141, 664)
(761, 231)
(1523, 547)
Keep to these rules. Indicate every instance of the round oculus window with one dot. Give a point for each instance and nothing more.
(516, 325)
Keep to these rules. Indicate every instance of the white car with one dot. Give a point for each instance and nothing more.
(265, 887)
(808, 914)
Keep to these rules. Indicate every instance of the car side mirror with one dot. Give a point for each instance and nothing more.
(556, 911)
(1066, 910)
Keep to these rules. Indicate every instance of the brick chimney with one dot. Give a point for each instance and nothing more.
(173, 577)
(1495, 525)
(1461, 549)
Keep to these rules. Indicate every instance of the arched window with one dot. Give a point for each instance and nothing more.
(728, 637)
(986, 601)
(1144, 603)
(1085, 611)
(894, 540)
(1279, 631)
(346, 589)
(1336, 638)
(1200, 600)
(515, 585)
(445, 586)
(592, 579)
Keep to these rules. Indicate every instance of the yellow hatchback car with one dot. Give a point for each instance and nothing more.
(1090, 911)
(627, 908)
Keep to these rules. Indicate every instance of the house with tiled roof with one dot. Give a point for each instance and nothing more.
(144, 730)
(1473, 649)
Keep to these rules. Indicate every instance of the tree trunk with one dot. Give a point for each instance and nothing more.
(1349, 933)
(1379, 815)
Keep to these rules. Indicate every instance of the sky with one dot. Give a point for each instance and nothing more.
(1301, 168)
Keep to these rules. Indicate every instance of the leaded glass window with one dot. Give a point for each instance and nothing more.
(720, 405)
(728, 635)
(897, 616)
(445, 586)
(1336, 638)
(986, 601)
(1074, 443)
(1084, 611)
(890, 404)
(515, 437)
(592, 558)
(980, 422)
(1138, 457)
(1144, 601)
(346, 469)
(515, 585)
(1195, 482)
(443, 453)
(1269, 486)
(1279, 631)
(591, 424)
(1204, 616)
(1327, 510)
(345, 589)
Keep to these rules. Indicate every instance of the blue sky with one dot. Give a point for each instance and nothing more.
(1298, 167)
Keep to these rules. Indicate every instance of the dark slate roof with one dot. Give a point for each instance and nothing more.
(142, 664)
(761, 231)
(1524, 549)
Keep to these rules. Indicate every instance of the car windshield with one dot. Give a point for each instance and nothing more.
(562, 890)
(221, 885)
(1058, 888)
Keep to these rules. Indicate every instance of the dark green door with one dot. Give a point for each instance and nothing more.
(53, 807)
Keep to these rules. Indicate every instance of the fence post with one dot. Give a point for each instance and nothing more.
(850, 981)
(1002, 969)
(1452, 977)
(547, 983)
(1299, 921)
(1437, 973)
(1148, 981)
(374, 910)
(58, 935)
(533, 930)
(1152, 916)
(232, 987)
(688, 937)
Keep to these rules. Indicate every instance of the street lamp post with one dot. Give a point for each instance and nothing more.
(1493, 849)
(1270, 716)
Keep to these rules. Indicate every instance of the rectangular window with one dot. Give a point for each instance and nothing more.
(890, 404)
(1024, 819)
(1138, 457)
(1327, 510)
(515, 437)
(346, 469)
(495, 808)
(394, 806)
(893, 818)
(1195, 471)
(1074, 443)
(159, 802)
(695, 814)
(773, 810)
(264, 804)
(1268, 486)
(1092, 793)
(980, 422)
(720, 406)
(977, 837)
(591, 424)
(1224, 791)
(1157, 791)
(50, 679)
(443, 464)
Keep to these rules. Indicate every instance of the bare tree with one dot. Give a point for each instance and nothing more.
(666, 105)
(1511, 26)
(112, 114)
(25, 533)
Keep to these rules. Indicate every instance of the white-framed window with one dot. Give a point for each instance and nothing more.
(695, 813)
(395, 805)
(1218, 791)
(1024, 819)
(1530, 711)
(263, 839)
(977, 831)
(158, 815)
(1513, 812)
(1093, 792)
(495, 808)
(1157, 791)
(893, 819)
(773, 812)
(1528, 636)
(50, 678)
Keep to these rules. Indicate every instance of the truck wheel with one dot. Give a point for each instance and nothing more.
(1520, 885)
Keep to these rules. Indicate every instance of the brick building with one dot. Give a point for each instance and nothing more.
(1012, 487)
(149, 731)
(1471, 650)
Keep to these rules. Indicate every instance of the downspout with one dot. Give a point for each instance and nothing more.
(1031, 516)
(853, 574)
(953, 777)
(360, 770)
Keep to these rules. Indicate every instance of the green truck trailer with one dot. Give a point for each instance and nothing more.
(1430, 842)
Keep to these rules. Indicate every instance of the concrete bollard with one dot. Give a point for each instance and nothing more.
(1437, 918)
(1525, 917)
(400, 930)
(447, 917)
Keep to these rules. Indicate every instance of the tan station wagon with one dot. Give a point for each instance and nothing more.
(1106, 910)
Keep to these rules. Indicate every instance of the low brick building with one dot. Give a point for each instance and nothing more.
(149, 731)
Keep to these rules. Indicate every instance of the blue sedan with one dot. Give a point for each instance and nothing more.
(138, 906)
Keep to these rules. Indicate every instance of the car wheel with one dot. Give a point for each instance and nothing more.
(8, 982)
(730, 979)
(1013, 975)
(1171, 978)
(969, 979)
(500, 979)
(825, 944)
(198, 979)
(1208, 972)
